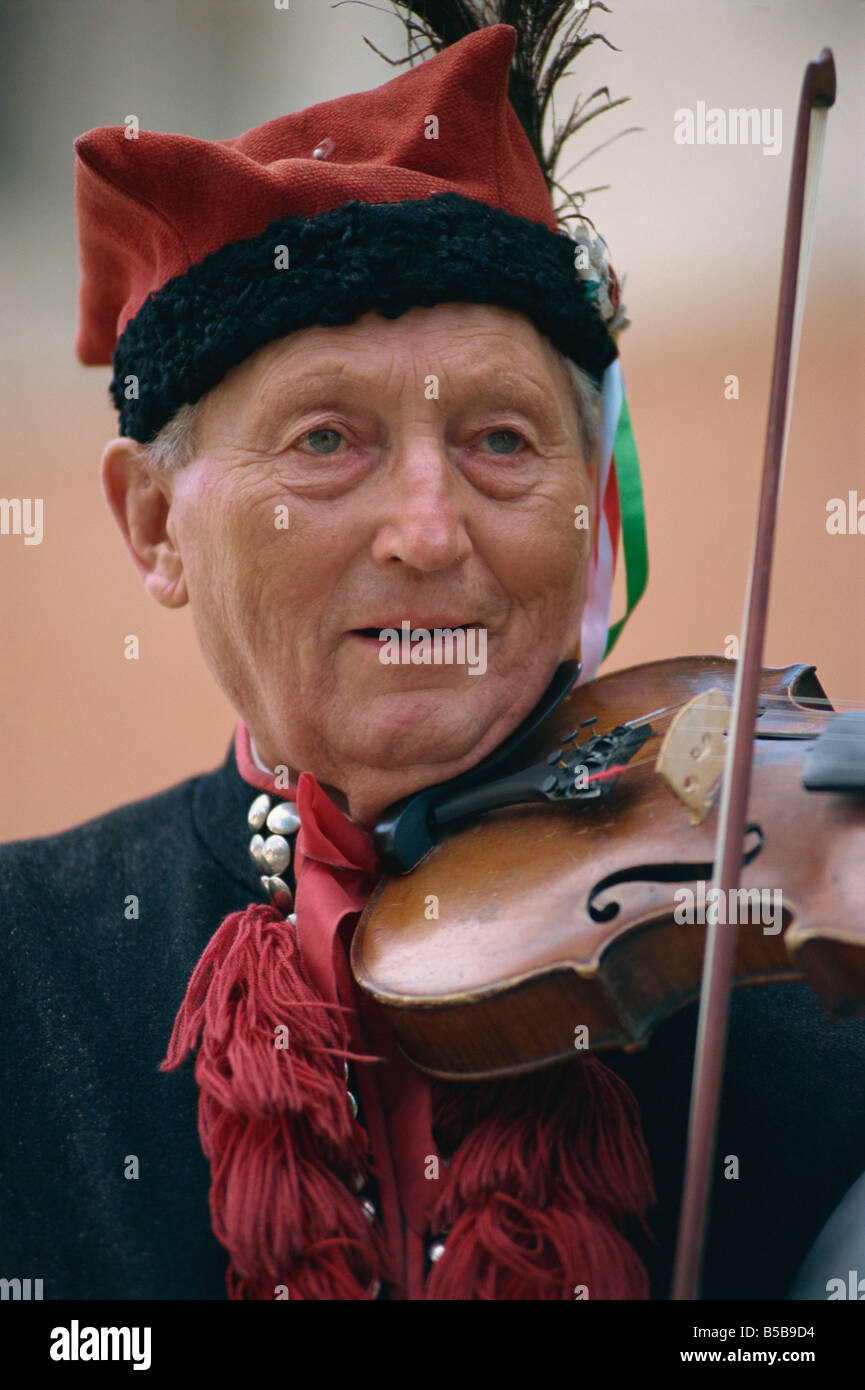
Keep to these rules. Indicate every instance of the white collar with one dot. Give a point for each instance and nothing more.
(257, 760)
(270, 771)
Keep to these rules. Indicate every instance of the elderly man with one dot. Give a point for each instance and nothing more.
(357, 376)
(452, 510)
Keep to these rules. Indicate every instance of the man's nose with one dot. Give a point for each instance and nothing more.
(423, 521)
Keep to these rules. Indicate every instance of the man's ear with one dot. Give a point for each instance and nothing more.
(140, 500)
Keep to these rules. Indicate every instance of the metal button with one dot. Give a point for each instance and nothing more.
(284, 819)
(277, 854)
(353, 1103)
(278, 891)
(368, 1209)
(258, 812)
(436, 1251)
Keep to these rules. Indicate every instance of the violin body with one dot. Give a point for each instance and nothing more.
(540, 929)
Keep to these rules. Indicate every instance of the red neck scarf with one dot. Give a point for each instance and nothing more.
(535, 1179)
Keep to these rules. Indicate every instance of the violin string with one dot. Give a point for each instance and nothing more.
(815, 706)
(819, 704)
(820, 709)
(616, 769)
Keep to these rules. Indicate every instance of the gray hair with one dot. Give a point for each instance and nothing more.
(175, 444)
(587, 398)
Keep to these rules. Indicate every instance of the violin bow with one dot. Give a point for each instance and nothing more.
(818, 94)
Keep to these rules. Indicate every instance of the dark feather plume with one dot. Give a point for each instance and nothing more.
(550, 35)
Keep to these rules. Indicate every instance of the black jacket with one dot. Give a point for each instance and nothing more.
(90, 995)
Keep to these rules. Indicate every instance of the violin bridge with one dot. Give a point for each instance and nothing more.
(691, 758)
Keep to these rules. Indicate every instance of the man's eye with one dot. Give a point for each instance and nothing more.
(324, 441)
(504, 441)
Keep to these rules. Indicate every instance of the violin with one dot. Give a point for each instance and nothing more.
(629, 793)
(490, 961)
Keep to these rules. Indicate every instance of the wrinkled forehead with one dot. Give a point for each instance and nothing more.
(474, 347)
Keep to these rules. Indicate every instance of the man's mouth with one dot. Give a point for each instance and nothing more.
(427, 641)
(376, 632)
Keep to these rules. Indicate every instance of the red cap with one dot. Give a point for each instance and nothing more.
(151, 207)
(425, 190)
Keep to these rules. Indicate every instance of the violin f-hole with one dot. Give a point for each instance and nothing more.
(662, 873)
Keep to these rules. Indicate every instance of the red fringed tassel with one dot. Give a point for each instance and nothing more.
(274, 1119)
(546, 1171)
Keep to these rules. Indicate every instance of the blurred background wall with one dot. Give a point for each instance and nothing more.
(696, 230)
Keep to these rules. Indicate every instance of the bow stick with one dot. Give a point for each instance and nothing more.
(818, 94)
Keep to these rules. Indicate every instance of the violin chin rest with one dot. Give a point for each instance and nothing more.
(837, 761)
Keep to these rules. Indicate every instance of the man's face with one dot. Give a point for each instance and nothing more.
(428, 468)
